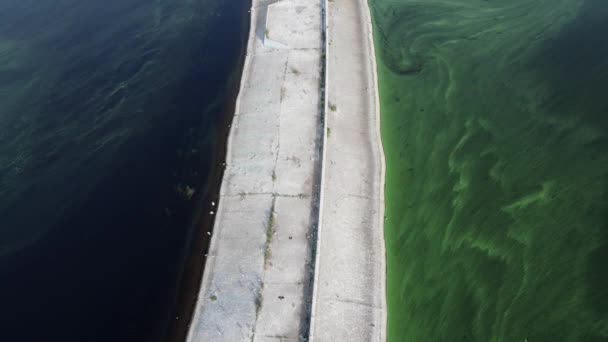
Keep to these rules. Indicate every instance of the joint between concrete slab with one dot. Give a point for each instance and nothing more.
(284, 283)
(274, 194)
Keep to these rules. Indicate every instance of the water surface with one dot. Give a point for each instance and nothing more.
(112, 118)
(495, 128)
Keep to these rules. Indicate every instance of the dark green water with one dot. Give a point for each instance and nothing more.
(113, 117)
(495, 128)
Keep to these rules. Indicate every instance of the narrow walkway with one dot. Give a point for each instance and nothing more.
(258, 274)
(349, 302)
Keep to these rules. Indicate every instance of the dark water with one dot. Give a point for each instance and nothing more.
(112, 118)
(495, 128)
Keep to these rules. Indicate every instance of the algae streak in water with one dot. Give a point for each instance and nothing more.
(495, 127)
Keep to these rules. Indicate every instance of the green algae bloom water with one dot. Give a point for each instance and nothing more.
(495, 129)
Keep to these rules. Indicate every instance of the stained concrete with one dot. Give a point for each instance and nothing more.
(256, 284)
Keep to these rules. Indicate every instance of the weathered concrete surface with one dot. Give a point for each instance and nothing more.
(349, 301)
(256, 281)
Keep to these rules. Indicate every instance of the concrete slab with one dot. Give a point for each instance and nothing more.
(244, 217)
(299, 121)
(260, 93)
(353, 279)
(353, 162)
(251, 169)
(349, 321)
(281, 310)
(296, 34)
(289, 258)
(259, 338)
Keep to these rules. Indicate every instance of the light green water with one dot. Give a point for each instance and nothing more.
(495, 129)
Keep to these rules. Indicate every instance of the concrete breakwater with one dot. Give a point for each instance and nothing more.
(295, 162)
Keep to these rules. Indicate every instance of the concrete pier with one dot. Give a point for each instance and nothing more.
(297, 251)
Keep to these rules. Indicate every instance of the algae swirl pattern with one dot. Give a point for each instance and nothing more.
(495, 129)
